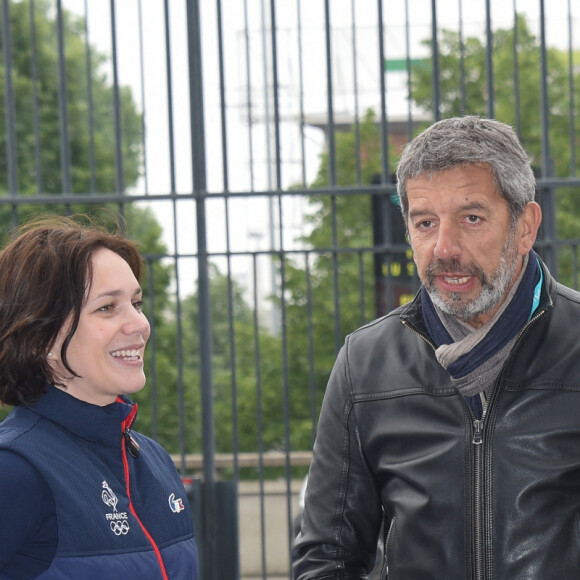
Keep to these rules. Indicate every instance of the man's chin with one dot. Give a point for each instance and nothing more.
(457, 305)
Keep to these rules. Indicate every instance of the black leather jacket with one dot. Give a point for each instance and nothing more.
(497, 499)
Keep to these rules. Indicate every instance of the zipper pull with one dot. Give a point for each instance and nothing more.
(477, 432)
(131, 444)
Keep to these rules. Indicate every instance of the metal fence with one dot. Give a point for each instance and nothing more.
(250, 145)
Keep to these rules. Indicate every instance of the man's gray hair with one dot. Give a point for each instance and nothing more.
(470, 140)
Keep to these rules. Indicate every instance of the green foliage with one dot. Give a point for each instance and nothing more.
(247, 371)
(345, 222)
(38, 140)
(514, 101)
(91, 129)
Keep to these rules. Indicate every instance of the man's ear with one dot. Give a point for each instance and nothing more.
(528, 225)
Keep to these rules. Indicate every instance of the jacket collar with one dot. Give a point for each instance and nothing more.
(102, 425)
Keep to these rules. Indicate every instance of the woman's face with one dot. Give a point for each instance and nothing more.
(107, 348)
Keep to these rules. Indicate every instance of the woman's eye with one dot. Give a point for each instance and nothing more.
(138, 305)
(106, 308)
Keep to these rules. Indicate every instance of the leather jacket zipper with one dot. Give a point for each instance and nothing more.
(477, 441)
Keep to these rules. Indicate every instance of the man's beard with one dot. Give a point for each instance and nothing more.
(493, 288)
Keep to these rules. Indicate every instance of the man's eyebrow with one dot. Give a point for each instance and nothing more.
(469, 206)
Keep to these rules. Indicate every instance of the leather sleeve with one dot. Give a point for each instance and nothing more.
(343, 512)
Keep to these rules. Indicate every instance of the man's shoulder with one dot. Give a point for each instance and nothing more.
(568, 293)
(386, 334)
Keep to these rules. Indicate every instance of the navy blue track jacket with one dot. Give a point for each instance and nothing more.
(121, 509)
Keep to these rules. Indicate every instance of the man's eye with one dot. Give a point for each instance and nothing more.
(473, 219)
(424, 225)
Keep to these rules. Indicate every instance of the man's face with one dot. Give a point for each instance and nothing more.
(467, 251)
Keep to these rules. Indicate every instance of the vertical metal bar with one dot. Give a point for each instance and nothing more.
(574, 249)
(310, 333)
(249, 96)
(179, 344)
(169, 83)
(9, 105)
(36, 114)
(489, 60)
(204, 304)
(276, 105)
(462, 62)
(355, 93)
(301, 90)
(89, 65)
(518, 118)
(574, 252)
(231, 334)
(332, 177)
(222, 89)
(232, 342)
(63, 104)
(233, 354)
(329, 99)
(259, 412)
(178, 307)
(572, 97)
(285, 373)
(549, 218)
(152, 349)
(119, 179)
(545, 140)
(435, 61)
(275, 94)
(361, 286)
(266, 97)
(409, 73)
(143, 98)
(385, 173)
(286, 403)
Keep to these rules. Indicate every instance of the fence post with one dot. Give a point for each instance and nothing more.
(208, 531)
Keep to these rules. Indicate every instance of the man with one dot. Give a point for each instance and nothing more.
(454, 421)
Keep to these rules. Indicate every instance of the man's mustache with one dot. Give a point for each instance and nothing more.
(439, 266)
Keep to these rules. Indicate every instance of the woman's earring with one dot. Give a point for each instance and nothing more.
(49, 354)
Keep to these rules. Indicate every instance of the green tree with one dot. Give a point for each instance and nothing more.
(91, 136)
(35, 72)
(345, 221)
(512, 103)
(247, 373)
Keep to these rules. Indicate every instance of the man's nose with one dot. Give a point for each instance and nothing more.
(448, 244)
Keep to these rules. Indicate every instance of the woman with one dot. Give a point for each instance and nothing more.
(82, 496)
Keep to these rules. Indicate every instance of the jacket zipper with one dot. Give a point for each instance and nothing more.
(127, 446)
(478, 473)
(477, 441)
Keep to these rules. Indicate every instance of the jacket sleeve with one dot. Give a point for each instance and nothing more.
(343, 513)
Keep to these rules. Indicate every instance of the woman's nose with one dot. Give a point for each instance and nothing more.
(137, 323)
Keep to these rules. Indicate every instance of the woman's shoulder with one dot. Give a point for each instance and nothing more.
(19, 478)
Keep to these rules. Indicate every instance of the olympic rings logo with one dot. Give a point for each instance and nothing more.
(120, 527)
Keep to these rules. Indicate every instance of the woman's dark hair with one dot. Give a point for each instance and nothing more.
(45, 276)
